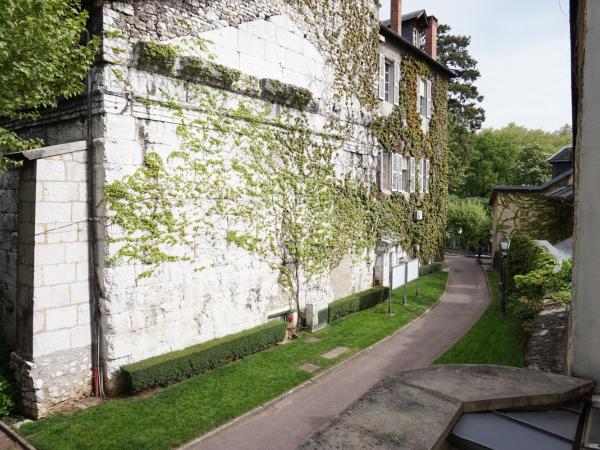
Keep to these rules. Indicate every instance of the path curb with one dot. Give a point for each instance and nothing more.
(308, 382)
(14, 436)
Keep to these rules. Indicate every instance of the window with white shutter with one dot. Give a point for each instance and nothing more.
(395, 172)
(427, 175)
(396, 87)
(385, 171)
(413, 174)
(405, 174)
(419, 94)
(421, 176)
(381, 77)
(429, 99)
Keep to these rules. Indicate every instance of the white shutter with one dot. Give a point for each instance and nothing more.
(429, 99)
(419, 93)
(385, 171)
(413, 174)
(396, 84)
(400, 174)
(421, 176)
(381, 77)
(394, 172)
(427, 175)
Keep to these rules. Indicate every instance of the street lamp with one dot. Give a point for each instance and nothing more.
(417, 250)
(382, 246)
(460, 231)
(504, 246)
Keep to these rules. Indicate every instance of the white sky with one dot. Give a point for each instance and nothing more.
(523, 51)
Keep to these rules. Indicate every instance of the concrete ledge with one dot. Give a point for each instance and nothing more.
(417, 410)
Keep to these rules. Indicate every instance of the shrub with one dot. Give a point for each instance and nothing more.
(431, 268)
(357, 302)
(7, 392)
(177, 366)
(525, 257)
(471, 216)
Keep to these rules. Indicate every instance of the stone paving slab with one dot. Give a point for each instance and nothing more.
(417, 410)
(331, 354)
(309, 367)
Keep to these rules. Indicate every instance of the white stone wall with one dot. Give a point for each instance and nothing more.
(52, 358)
(9, 201)
(178, 306)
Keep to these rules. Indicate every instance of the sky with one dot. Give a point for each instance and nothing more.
(523, 51)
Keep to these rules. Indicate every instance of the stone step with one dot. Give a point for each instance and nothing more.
(591, 434)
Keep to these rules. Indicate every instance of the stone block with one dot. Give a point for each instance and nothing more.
(80, 292)
(123, 152)
(83, 314)
(76, 171)
(57, 191)
(39, 321)
(50, 170)
(58, 274)
(52, 213)
(79, 211)
(59, 318)
(8, 202)
(76, 252)
(50, 342)
(82, 271)
(62, 233)
(120, 128)
(48, 254)
(51, 297)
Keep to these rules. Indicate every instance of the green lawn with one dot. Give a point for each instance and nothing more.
(493, 340)
(182, 412)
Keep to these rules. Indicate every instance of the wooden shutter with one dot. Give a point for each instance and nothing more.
(421, 176)
(429, 99)
(381, 77)
(413, 174)
(385, 171)
(419, 87)
(394, 172)
(400, 175)
(427, 175)
(396, 84)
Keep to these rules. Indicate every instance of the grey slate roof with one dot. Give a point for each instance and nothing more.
(527, 188)
(563, 155)
(565, 194)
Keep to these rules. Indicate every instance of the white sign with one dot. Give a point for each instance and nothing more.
(402, 275)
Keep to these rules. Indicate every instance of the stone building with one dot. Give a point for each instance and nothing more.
(68, 307)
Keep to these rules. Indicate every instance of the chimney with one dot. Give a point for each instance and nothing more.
(431, 37)
(396, 19)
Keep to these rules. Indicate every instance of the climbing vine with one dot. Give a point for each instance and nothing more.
(402, 131)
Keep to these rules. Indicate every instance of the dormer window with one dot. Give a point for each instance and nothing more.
(419, 38)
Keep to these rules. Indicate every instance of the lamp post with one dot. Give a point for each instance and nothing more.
(460, 231)
(417, 250)
(381, 248)
(505, 246)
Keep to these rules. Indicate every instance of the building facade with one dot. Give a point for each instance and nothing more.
(110, 256)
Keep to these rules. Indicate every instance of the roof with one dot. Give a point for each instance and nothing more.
(563, 155)
(46, 152)
(564, 194)
(528, 188)
(391, 35)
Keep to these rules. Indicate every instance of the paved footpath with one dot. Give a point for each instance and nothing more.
(287, 422)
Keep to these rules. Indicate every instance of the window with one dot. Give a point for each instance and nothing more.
(405, 175)
(390, 172)
(424, 176)
(424, 97)
(419, 38)
(389, 80)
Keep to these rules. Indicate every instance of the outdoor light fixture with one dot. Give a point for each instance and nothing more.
(505, 245)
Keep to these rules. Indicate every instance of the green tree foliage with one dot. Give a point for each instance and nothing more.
(532, 166)
(466, 116)
(42, 59)
(549, 142)
(471, 215)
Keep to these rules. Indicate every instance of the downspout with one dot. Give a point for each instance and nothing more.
(97, 373)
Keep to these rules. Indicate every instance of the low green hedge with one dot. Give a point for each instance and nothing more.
(357, 302)
(177, 366)
(431, 268)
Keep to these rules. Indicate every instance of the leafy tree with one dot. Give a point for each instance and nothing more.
(549, 142)
(531, 166)
(466, 116)
(42, 59)
(472, 216)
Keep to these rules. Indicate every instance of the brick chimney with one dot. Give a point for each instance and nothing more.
(431, 37)
(396, 19)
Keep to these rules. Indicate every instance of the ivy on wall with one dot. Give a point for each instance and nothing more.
(534, 215)
(404, 125)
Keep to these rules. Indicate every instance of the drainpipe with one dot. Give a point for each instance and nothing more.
(97, 375)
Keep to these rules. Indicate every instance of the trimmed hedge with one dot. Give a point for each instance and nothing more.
(357, 302)
(173, 367)
(431, 268)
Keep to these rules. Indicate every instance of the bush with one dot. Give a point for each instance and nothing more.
(357, 302)
(7, 392)
(431, 268)
(177, 366)
(526, 256)
(471, 216)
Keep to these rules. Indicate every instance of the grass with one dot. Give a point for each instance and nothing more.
(177, 414)
(493, 339)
